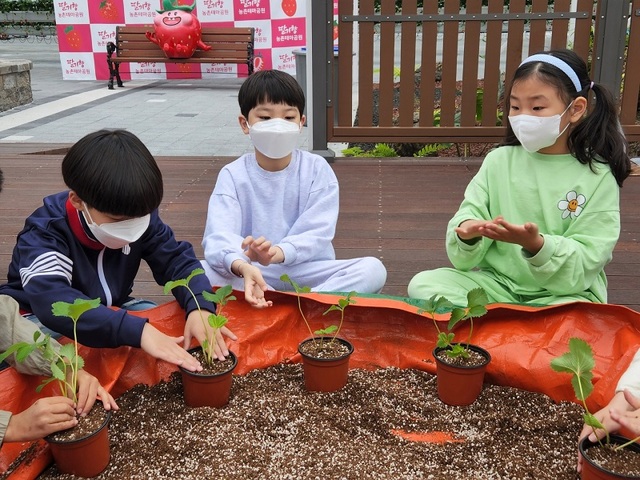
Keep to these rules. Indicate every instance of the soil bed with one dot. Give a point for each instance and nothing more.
(386, 423)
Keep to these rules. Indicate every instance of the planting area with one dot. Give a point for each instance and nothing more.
(386, 423)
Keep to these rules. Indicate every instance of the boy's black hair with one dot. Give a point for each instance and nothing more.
(598, 137)
(113, 172)
(273, 86)
(1, 180)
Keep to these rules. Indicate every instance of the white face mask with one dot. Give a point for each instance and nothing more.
(275, 138)
(117, 234)
(535, 133)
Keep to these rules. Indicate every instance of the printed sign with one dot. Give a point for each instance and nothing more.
(86, 26)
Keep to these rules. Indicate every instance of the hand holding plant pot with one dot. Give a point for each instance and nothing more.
(618, 457)
(212, 386)
(66, 365)
(460, 367)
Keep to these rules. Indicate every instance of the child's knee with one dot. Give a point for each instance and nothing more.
(376, 274)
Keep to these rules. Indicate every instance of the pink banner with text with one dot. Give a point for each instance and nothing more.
(86, 26)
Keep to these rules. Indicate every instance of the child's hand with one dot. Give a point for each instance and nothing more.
(89, 389)
(527, 235)
(167, 348)
(195, 328)
(262, 251)
(254, 286)
(470, 229)
(629, 419)
(46, 416)
(621, 402)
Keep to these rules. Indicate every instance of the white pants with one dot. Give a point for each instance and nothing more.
(363, 275)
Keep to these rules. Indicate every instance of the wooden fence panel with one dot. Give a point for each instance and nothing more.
(428, 66)
(365, 69)
(631, 81)
(492, 81)
(560, 28)
(445, 37)
(407, 65)
(470, 71)
(449, 65)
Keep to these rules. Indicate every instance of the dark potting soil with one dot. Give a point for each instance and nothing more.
(86, 426)
(473, 359)
(622, 461)
(385, 423)
(324, 348)
(215, 367)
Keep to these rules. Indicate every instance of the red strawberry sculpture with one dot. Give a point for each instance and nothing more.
(177, 31)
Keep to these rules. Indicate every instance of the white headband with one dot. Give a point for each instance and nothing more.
(556, 62)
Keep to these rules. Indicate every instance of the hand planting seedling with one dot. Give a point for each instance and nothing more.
(476, 307)
(65, 361)
(579, 362)
(215, 320)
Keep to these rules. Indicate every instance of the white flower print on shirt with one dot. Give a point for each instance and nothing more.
(572, 206)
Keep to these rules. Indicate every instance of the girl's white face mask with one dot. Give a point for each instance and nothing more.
(275, 138)
(116, 235)
(535, 133)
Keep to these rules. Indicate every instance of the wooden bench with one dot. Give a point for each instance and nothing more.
(229, 45)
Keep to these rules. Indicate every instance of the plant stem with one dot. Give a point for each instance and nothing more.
(208, 354)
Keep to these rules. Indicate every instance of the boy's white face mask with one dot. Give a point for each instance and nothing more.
(536, 133)
(117, 234)
(275, 138)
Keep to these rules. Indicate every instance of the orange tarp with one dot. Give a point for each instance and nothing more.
(384, 331)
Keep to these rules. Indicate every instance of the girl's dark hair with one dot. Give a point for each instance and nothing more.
(596, 138)
(1, 180)
(113, 172)
(273, 86)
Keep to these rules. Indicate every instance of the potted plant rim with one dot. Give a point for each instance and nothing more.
(84, 449)
(325, 356)
(210, 387)
(614, 456)
(460, 366)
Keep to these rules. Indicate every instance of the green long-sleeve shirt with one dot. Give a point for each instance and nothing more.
(577, 211)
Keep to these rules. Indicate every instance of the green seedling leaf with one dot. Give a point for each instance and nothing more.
(457, 315)
(298, 289)
(579, 362)
(221, 296)
(327, 331)
(21, 349)
(75, 309)
(477, 298)
(217, 321)
(457, 350)
(434, 305)
(444, 339)
(184, 282)
(592, 421)
(57, 372)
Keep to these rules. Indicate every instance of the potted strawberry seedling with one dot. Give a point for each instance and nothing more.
(325, 356)
(460, 366)
(615, 456)
(88, 454)
(211, 386)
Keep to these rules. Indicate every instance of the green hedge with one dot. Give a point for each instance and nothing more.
(26, 6)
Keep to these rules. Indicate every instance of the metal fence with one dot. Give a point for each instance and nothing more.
(388, 90)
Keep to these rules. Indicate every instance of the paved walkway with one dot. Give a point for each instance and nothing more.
(191, 117)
